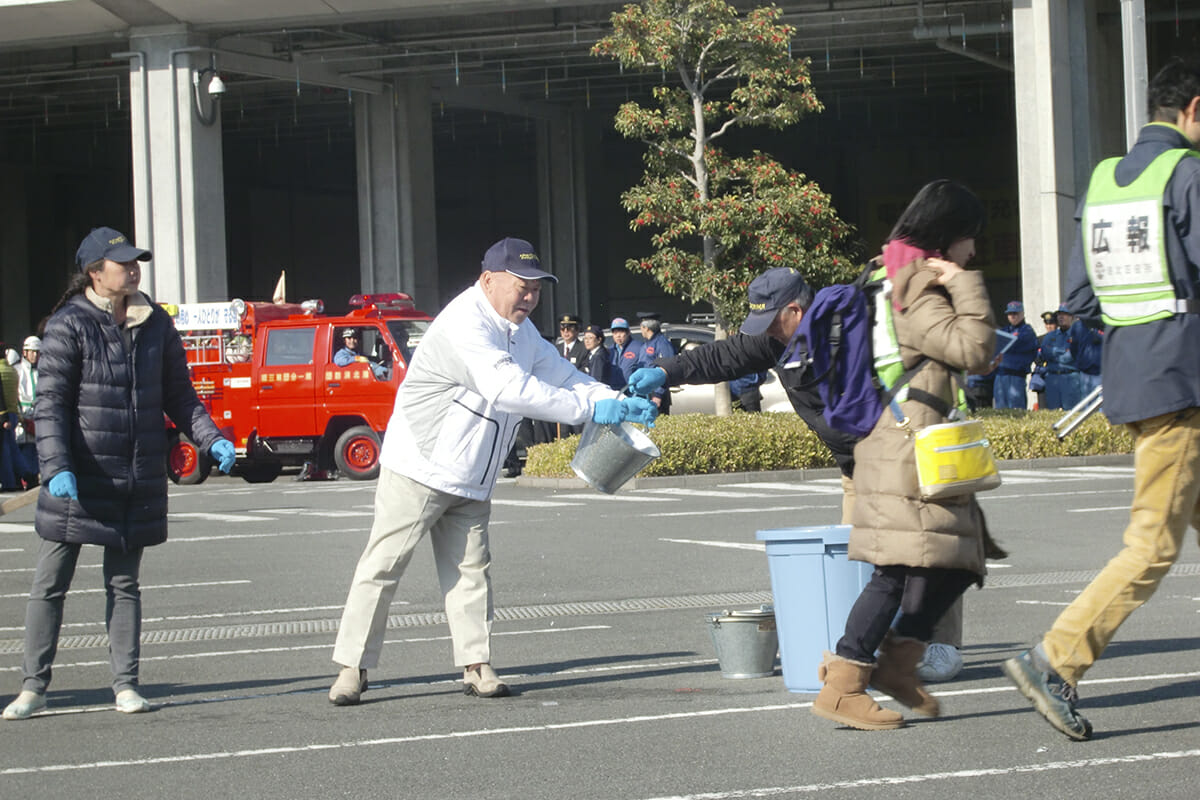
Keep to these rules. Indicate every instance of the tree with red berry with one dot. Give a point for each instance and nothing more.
(719, 219)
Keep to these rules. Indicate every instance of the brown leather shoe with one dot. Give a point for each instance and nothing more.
(481, 680)
(348, 688)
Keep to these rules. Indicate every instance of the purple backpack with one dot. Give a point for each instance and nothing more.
(833, 342)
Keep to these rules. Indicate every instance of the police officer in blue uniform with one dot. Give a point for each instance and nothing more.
(1008, 389)
(1061, 372)
(1087, 348)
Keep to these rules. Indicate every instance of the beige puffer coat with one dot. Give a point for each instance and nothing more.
(951, 325)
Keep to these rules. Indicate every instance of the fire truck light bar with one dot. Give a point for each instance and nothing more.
(313, 306)
(382, 299)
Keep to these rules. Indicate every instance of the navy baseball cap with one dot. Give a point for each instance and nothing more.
(104, 243)
(770, 292)
(1014, 307)
(516, 257)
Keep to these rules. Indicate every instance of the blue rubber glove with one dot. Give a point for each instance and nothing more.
(608, 412)
(63, 485)
(640, 410)
(222, 450)
(646, 380)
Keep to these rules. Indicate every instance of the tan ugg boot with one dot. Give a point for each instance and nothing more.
(896, 674)
(844, 699)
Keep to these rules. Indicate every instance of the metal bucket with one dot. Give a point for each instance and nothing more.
(746, 642)
(609, 455)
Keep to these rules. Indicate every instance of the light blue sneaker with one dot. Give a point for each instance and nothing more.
(130, 702)
(25, 706)
(941, 662)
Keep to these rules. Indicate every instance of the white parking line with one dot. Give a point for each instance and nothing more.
(144, 588)
(626, 497)
(1090, 510)
(223, 536)
(715, 511)
(714, 493)
(895, 780)
(224, 615)
(613, 722)
(211, 517)
(731, 545)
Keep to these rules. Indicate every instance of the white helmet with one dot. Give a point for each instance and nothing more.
(32, 343)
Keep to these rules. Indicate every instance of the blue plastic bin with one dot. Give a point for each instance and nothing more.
(814, 585)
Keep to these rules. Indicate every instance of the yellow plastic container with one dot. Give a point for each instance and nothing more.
(954, 458)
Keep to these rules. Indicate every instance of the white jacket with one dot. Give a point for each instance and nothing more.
(471, 380)
(26, 386)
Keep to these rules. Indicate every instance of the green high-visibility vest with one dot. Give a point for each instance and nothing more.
(1124, 243)
(885, 348)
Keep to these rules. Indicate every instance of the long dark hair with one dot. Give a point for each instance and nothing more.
(941, 213)
(79, 283)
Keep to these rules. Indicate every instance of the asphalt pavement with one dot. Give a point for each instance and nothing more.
(602, 609)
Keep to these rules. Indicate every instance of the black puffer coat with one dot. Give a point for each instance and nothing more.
(99, 413)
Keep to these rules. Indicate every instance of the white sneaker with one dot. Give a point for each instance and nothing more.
(942, 662)
(25, 706)
(130, 702)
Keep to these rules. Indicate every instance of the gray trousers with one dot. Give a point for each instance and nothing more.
(122, 613)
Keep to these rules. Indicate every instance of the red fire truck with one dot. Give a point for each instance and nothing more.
(266, 373)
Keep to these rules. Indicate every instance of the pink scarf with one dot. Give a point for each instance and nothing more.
(896, 254)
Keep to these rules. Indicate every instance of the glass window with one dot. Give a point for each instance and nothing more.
(289, 346)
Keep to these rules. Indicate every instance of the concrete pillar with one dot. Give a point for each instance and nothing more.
(1050, 67)
(179, 189)
(562, 218)
(14, 258)
(397, 222)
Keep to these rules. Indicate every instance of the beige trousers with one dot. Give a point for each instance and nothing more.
(404, 512)
(1166, 500)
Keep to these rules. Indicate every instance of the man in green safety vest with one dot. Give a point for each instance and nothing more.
(1136, 266)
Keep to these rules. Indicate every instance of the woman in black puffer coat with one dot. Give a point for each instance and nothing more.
(111, 365)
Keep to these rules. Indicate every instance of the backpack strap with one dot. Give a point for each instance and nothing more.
(939, 405)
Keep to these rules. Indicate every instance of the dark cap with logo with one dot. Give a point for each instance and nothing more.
(349, 332)
(568, 320)
(104, 243)
(516, 257)
(770, 292)
(595, 330)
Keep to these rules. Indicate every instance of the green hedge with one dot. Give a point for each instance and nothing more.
(695, 444)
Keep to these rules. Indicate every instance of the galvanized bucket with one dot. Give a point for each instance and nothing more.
(746, 642)
(609, 455)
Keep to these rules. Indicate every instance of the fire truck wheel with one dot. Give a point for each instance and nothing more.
(357, 453)
(186, 464)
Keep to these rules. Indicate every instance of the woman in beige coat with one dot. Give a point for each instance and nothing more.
(926, 553)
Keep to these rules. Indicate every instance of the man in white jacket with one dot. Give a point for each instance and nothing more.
(479, 369)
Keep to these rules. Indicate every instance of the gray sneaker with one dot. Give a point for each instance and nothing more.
(1052, 696)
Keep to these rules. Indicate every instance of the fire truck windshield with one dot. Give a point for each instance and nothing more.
(407, 333)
